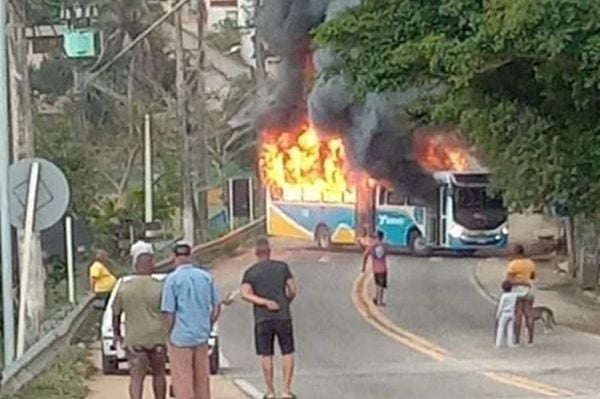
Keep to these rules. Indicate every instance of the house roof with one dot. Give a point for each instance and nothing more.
(44, 31)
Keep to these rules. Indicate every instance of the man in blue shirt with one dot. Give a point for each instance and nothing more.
(191, 305)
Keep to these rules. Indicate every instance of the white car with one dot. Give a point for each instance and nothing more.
(114, 360)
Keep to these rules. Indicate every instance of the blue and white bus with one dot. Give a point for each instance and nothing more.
(462, 217)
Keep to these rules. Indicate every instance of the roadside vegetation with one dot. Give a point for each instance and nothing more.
(65, 379)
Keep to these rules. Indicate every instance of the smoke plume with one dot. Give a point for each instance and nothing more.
(376, 130)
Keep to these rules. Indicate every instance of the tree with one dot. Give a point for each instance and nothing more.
(518, 77)
(227, 140)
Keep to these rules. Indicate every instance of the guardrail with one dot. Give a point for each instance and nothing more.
(42, 353)
(211, 250)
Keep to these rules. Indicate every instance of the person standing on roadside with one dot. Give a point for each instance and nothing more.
(269, 285)
(139, 297)
(377, 251)
(521, 273)
(102, 280)
(191, 305)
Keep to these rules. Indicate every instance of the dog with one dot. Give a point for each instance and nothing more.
(546, 316)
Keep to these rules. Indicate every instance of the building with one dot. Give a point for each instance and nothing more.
(220, 10)
(245, 22)
(43, 41)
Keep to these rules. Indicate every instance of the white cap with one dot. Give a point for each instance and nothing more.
(140, 248)
(182, 247)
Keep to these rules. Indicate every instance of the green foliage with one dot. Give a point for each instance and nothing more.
(520, 78)
(111, 217)
(53, 78)
(56, 140)
(64, 380)
(233, 149)
(225, 36)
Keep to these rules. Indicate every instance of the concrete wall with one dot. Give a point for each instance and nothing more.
(219, 10)
(526, 228)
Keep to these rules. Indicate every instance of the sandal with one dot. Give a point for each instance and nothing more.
(293, 396)
(267, 396)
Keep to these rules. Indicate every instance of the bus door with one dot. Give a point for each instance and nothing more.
(365, 210)
(394, 217)
(443, 215)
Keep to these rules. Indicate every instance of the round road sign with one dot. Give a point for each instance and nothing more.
(52, 197)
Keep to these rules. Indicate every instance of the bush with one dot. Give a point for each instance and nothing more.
(65, 379)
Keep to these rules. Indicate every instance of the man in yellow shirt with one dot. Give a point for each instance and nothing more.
(102, 280)
(521, 273)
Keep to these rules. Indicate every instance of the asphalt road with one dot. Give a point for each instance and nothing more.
(340, 355)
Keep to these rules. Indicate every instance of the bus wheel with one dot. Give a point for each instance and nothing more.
(323, 237)
(417, 244)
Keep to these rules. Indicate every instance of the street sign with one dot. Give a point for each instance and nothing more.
(80, 43)
(52, 197)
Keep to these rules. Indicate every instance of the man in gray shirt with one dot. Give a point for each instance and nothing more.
(270, 287)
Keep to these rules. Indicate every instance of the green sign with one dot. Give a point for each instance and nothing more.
(80, 43)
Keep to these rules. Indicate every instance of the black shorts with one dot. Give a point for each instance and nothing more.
(381, 280)
(265, 333)
(141, 358)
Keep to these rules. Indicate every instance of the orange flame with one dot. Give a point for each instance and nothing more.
(302, 166)
(442, 152)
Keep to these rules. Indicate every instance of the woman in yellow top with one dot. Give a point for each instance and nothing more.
(521, 273)
(102, 280)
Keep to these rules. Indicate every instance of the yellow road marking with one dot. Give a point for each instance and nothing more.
(372, 315)
(421, 345)
(527, 384)
(383, 319)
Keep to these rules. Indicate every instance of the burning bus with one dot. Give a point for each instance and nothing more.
(313, 194)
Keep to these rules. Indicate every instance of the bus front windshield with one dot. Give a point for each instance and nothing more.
(475, 209)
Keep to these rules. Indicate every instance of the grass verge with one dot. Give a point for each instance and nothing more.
(65, 379)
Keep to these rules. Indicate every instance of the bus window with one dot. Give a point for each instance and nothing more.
(332, 197)
(395, 198)
(350, 197)
(292, 194)
(382, 196)
(311, 195)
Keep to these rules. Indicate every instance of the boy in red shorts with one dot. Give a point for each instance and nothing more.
(378, 251)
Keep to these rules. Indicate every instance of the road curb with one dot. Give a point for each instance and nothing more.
(480, 286)
(246, 389)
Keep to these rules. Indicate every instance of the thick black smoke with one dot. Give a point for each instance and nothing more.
(376, 130)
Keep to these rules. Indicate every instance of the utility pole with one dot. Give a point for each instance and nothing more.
(260, 80)
(259, 49)
(187, 203)
(148, 176)
(5, 230)
(201, 125)
(23, 146)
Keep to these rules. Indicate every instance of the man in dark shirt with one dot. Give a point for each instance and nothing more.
(270, 287)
